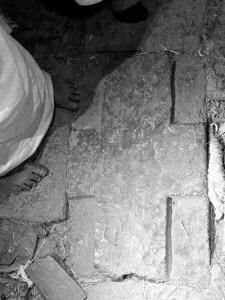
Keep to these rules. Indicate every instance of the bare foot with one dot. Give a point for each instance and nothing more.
(25, 179)
(65, 94)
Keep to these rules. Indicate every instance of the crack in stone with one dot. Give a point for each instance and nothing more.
(169, 203)
(211, 220)
(128, 276)
(172, 61)
(136, 276)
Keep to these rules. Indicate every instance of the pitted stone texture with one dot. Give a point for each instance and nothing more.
(215, 35)
(190, 242)
(139, 290)
(177, 26)
(190, 90)
(46, 202)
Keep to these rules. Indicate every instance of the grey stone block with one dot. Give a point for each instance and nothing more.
(53, 282)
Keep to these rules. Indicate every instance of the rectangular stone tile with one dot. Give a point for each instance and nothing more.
(189, 90)
(190, 242)
(53, 282)
(47, 202)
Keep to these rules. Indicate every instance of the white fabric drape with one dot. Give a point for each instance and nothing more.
(26, 103)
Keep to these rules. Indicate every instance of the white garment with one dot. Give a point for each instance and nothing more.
(26, 103)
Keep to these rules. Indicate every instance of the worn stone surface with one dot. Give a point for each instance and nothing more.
(53, 282)
(177, 26)
(190, 242)
(46, 202)
(128, 165)
(214, 40)
(17, 242)
(80, 234)
(139, 290)
(189, 90)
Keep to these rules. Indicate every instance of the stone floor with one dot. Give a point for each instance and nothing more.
(129, 189)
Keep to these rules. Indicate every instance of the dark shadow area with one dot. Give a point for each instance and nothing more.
(89, 41)
(72, 10)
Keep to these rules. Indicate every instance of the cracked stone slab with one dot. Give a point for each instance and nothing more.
(189, 89)
(131, 186)
(190, 252)
(47, 202)
(129, 166)
(177, 26)
(214, 40)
